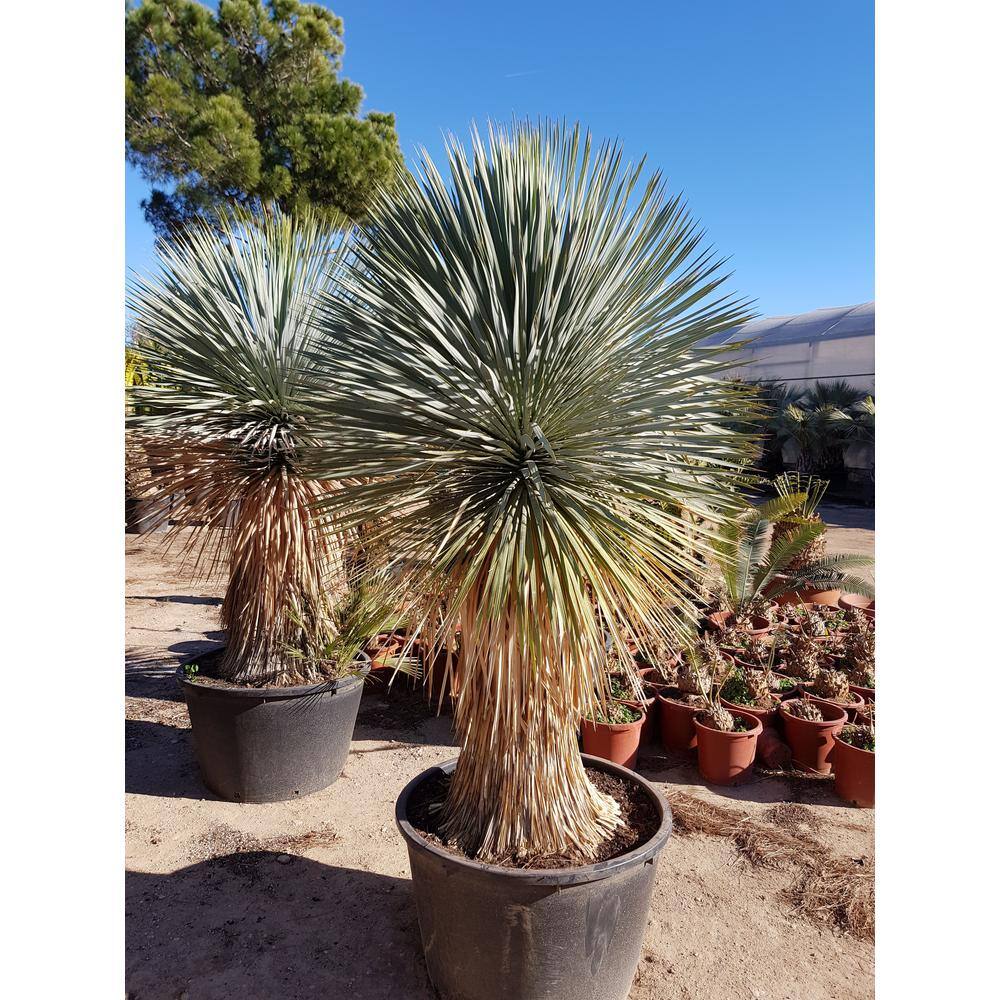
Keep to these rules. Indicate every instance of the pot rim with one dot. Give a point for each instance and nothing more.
(272, 693)
(679, 704)
(735, 706)
(618, 727)
(851, 746)
(850, 706)
(544, 876)
(747, 717)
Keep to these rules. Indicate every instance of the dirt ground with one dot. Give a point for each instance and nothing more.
(312, 897)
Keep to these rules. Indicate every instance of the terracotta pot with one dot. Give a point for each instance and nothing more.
(766, 716)
(772, 750)
(792, 692)
(854, 774)
(809, 596)
(759, 625)
(384, 648)
(812, 742)
(677, 730)
(719, 619)
(868, 694)
(648, 675)
(850, 708)
(865, 604)
(647, 706)
(727, 758)
(617, 743)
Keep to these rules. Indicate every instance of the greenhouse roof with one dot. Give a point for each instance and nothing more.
(820, 324)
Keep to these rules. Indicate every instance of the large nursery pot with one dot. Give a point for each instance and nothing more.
(618, 743)
(677, 730)
(812, 742)
(273, 743)
(727, 758)
(532, 934)
(854, 773)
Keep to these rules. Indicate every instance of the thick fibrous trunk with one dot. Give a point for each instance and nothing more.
(520, 789)
(282, 575)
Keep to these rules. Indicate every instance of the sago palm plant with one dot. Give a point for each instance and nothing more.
(812, 490)
(520, 387)
(756, 566)
(228, 316)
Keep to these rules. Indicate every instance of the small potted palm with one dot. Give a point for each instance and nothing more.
(520, 385)
(810, 491)
(757, 571)
(228, 313)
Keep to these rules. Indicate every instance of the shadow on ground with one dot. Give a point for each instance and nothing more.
(677, 769)
(160, 760)
(177, 599)
(248, 926)
(838, 515)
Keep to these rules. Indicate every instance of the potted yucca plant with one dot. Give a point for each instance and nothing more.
(519, 384)
(228, 314)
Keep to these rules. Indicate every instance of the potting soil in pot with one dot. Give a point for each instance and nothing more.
(639, 821)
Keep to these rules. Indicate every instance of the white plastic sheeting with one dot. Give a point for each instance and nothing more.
(823, 344)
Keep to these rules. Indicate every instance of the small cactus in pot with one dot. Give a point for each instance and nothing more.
(802, 658)
(803, 709)
(718, 717)
(831, 685)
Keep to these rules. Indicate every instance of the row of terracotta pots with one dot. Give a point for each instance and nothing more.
(727, 758)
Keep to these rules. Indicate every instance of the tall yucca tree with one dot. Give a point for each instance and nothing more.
(228, 314)
(521, 391)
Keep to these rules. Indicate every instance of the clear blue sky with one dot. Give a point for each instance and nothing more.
(761, 112)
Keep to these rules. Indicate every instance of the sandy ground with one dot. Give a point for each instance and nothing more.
(312, 897)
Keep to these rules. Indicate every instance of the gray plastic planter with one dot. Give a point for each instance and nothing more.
(560, 934)
(271, 744)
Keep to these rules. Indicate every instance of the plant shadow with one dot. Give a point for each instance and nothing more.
(673, 768)
(160, 760)
(261, 924)
(178, 599)
(401, 713)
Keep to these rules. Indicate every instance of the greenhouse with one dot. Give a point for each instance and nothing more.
(824, 344)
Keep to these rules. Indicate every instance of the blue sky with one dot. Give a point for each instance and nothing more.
(761, 112)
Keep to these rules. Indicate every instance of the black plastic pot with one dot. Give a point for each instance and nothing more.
(271, 744)
(573, 933)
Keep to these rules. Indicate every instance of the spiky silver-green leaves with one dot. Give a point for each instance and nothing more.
(226, 322)
(521, 390)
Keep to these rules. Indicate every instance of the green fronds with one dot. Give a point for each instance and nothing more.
(227, 320)
(519, 388)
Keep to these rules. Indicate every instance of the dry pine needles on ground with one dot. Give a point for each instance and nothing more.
(829, 888)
